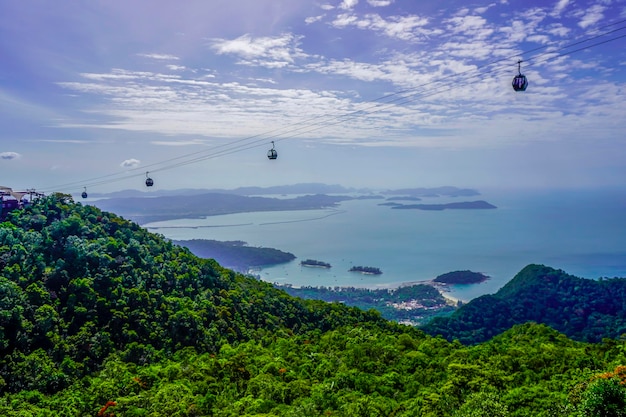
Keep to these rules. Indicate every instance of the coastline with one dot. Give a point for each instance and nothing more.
(443, 289)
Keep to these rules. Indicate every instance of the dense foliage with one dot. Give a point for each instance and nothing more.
(353, 371)
(100, 318)
(583, 309)
(77, 284)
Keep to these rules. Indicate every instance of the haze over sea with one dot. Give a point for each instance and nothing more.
(580, 231)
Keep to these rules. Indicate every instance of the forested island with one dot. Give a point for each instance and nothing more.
(366, 270)
(314, 263)
(236, 254)
(461, 277)
(101, 317)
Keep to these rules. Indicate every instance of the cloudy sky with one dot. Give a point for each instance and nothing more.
(378, 93)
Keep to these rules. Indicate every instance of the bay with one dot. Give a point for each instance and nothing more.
(582, 232)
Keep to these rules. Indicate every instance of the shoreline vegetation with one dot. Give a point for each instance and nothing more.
(411, 304)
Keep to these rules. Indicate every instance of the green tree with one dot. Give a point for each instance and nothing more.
(605, 397)
(482, 404)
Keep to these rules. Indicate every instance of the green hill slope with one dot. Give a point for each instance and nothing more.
(583, 309)
(77, 284)
(100, 318)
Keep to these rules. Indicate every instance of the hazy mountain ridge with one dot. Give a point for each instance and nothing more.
(168, 205)
(303, 188)
(144, 210)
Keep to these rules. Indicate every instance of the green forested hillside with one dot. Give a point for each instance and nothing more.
(100, 318)
(583, 309)
(78, 284)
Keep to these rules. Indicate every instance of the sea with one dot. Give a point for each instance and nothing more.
(581, 231)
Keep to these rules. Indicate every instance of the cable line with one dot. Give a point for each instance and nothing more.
(314, 123)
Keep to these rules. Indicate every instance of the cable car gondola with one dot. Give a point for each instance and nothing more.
(519, 81)
(272, 154)
(84, 194)
(149, 181)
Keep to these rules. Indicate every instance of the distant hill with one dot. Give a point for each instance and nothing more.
(77, 284)
(303, 188)
(448, 191)
(463, 205)
(583, 309)
(160, 205)
(149, 209)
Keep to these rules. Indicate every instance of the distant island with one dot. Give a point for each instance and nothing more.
(162, 205)
(366, 270)
(314, 263)
(149, 209)
(433, 192)
(461, 277)
(236, 254)
(407, 198)
(464, 205)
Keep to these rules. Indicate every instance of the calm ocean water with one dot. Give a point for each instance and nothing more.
(580, 231)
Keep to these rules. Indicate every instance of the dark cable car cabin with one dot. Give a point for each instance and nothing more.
(149, 181)
(272, 154)
(520, 83)
(84, 194)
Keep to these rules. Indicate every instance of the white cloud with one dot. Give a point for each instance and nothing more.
(406, 28)
(379, 3)
(313, 19)
(274, 52)
(241, 103)
(592, 16)
(177, 142)
(163, 57)
(75, 141)
(474, 26)
(348, 4)
(10, 155)
(130, 163)
(481, 10)
(560, 6)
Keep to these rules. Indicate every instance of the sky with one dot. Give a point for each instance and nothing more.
(362, 93)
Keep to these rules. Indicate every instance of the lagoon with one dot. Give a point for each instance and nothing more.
(582, 232)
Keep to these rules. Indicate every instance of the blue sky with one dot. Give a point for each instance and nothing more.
(366, 93)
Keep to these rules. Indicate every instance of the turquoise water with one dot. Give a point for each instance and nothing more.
(581, 232)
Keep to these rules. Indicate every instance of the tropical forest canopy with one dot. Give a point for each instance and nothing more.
(100, 317)
(583, 309)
